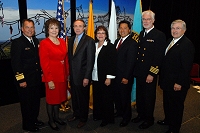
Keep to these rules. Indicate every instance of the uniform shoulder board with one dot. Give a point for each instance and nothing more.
(135, 36)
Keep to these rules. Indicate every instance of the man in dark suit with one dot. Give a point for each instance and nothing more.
(26, 67)
(81, 61)
(152, 44)
(174, 76)
(126, 58)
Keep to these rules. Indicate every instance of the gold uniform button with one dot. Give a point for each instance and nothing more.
(36, 63)
(138, 52)
(144, 48)
(137, 58)
(142, 54)
(142, 60)
(139, 46)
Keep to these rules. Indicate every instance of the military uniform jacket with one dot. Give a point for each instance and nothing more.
(25, 61)
(150, 53)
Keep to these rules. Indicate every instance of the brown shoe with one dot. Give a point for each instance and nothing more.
(81, 124)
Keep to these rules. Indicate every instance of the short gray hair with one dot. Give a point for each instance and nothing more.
(179, 21)
(149, 12)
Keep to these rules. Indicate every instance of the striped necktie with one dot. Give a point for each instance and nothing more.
(32, 43)
(170, 45)
(75, 45)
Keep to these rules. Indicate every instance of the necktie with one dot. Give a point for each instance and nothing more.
(170, 45)
(75, 45)
(32, 43)
(120, 43)
(145, 33)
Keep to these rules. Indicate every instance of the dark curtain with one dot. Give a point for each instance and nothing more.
(168, 10)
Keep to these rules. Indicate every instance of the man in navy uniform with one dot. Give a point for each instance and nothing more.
(26, 67)
(152, 43)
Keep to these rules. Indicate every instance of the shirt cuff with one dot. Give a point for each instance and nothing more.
(110, 76)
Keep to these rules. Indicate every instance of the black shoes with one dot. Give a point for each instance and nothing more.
(117, 114)
(53, 126)
(169, 131)
(162, 122)
(96, 119)
(146, 124)
(35, 129)
(72, 119)
(137, 119)
(39, 123)
(123, 123)
(60, 122)
(103, 124)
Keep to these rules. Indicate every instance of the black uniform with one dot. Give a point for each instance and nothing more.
(26, 67)
(150, 55)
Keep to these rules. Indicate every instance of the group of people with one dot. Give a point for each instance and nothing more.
(110, 68)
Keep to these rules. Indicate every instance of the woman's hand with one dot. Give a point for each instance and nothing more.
(51, 85)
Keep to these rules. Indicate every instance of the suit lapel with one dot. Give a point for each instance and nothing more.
(176, 45)
(124, 42)
(80, 44)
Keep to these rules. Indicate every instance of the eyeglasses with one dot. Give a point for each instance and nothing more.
(101, 33)
(177, 28)
(146, 19)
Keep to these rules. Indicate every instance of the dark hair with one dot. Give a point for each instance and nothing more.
(126, 22)
(81, 21)
(51, 21)
(101, 27)
(27, 20)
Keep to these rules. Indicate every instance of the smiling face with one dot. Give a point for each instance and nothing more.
(177, 30)
(28, 29)
(124, 30)
(53, 30)
(101, 35)
(79, 27)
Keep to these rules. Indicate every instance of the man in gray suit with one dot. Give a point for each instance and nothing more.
(81, 61)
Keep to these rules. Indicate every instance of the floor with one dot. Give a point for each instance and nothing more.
(10, 119)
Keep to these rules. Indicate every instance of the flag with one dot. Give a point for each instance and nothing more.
(90, 32)
(137, 18)
(136, 28)
(112, 30)
(90, 29)
(61, 19)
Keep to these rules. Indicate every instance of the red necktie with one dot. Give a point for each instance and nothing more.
(120, 43)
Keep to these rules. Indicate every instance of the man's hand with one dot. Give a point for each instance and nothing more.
(149, 79)
(85, 82)
(177, 87)
(124, 81)
(23, 84)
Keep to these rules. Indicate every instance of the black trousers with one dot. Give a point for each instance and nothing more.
(173, 102)
(80, 101)
(30, 105)
(145, 98)
(103, 106)
(122, 99)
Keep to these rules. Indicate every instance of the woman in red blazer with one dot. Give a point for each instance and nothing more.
(54, 63)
